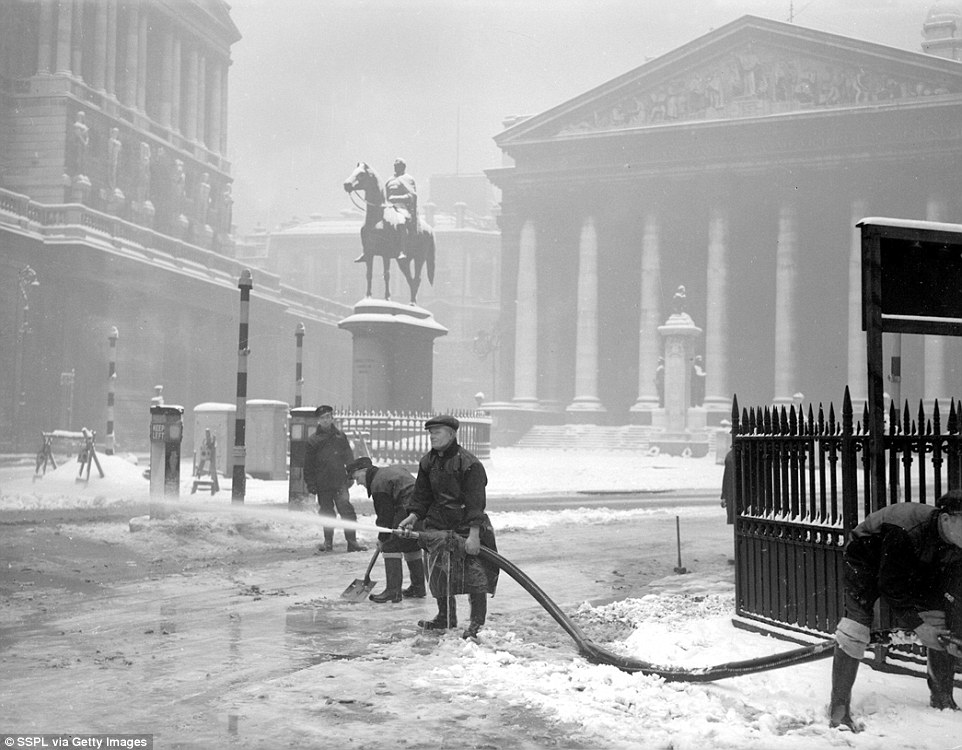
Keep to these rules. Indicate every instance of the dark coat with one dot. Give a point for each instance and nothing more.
(897, 553)
(325, 460)
(449, 491)
(390, 487)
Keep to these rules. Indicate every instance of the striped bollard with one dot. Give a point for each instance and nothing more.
(239, 477)
(299, 368)
(111, 381)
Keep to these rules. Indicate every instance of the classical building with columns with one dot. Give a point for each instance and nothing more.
(737, 166)
(116, 213)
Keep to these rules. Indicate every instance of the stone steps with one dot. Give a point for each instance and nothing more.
(587, 438)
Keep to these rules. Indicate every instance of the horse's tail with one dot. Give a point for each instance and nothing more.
(429, 255)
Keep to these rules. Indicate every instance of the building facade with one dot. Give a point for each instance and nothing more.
(736, 166)
(116, 212)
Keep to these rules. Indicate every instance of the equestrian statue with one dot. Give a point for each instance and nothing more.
(392, 228)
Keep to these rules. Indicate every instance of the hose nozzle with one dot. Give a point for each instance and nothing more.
(405, 533)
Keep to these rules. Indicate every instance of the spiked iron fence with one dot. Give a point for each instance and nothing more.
(400, 437)
(801, 484)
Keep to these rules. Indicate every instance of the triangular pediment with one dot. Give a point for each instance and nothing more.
(753, 67)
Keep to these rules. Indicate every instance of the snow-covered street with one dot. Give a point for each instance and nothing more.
(221, 626)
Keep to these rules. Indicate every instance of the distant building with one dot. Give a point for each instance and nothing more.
(737, 165)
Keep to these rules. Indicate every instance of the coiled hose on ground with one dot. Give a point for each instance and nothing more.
(598, 655)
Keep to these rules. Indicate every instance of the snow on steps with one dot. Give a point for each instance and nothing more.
(587, 437)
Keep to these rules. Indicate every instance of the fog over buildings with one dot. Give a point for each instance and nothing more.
(317, 86)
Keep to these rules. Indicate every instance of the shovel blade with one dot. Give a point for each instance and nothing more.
(358, 590)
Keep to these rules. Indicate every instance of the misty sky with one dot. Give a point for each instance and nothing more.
(318, 85)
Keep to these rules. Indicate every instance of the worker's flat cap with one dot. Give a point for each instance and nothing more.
(950, 502)
(442, 420)
(359, 463)
(323, 409)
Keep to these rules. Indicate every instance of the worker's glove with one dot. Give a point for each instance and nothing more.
(312, 489)
(933, 617)
(408, 523)
(929, 636)
(723, 503)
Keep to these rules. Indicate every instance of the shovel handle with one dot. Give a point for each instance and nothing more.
(370, 565)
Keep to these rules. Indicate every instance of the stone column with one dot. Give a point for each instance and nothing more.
(142, 59)
(202, 98)
(649, 340)
(213, 127)
(44, 49)
(717, 393)
(526, 322)
(190, 115)
(933, 386)
(166, 78)
(130, 61)
(176, 80)
(586, 404)
(110, 74)
(99, 74)
(222, 145)
(64, 36)
(786, 282)
(77, 45)
(857, 344)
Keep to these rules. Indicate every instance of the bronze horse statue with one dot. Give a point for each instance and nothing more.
(384, 233)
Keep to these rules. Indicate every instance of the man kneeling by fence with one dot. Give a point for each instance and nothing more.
(910, 555)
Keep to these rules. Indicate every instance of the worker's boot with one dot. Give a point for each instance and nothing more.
(392, 589)
(844, 669)
(447, 616)
(362, 258)
(352, 544)
(416, 570)
(328, 541)
(479, 612)
(941, 676)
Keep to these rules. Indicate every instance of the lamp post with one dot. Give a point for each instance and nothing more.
(486, 345)
(27, 282)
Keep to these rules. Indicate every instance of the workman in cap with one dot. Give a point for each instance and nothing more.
(910, 555)
(390, 488)
(326, 457)
(449, 495)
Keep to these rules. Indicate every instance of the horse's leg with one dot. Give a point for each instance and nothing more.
(369, 261)
(415, 280)
(387, 276)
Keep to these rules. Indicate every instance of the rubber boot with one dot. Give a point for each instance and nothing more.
(416, 570)
(328, 541)
(352, 544)
(844, 669)
(392, 589)
(479, 612)
(447, 616)
(941, 676)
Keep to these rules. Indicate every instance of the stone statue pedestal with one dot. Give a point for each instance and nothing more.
(678, 429)
(393, 355)
(80, 189)
(143, 213)
(115, 202)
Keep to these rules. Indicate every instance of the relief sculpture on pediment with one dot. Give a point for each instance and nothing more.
(755, 80)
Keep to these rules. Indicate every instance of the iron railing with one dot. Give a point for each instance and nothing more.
(400, 437)
(801, 486)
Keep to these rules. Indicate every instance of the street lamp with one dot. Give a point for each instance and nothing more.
(486, 344)
(27, 282)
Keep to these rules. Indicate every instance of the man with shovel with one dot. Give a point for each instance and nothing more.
(390, 488)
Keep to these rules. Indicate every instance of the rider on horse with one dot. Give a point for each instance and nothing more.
(402, 193)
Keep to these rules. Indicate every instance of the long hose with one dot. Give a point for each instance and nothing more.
(598, 655)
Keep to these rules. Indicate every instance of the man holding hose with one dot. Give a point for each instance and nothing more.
(910, 555)
(449, 495)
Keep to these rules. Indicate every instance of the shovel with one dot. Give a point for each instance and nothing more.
(359, 590)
